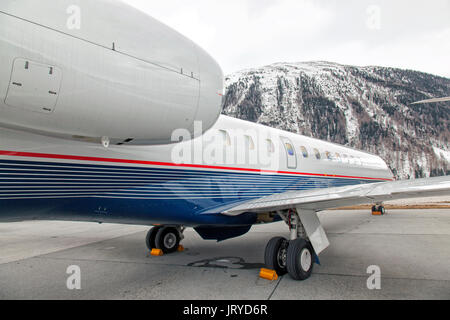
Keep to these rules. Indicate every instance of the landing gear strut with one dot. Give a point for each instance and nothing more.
(166, 238)
(296, 256)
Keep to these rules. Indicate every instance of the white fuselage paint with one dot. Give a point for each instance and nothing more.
(351, 163)
(115, 73)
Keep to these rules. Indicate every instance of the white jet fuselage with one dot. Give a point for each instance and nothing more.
(235, 161)
(94, 95)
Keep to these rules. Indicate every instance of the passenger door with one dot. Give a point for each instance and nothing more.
(290, 153)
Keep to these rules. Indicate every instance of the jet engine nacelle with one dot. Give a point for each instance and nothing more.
(100, 70)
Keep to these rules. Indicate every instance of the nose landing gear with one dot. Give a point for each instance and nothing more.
(165, 238)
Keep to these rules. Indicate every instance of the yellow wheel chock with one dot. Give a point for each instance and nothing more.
(157, 253)
(267, 274)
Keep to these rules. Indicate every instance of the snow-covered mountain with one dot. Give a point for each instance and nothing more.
(363, 107)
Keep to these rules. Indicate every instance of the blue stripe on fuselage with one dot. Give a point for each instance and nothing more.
(123, 194)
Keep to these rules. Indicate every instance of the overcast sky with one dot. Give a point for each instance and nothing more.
(412, 34)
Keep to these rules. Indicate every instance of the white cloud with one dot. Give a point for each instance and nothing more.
(249, 33)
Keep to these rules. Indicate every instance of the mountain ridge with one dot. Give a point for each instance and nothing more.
(367, 108)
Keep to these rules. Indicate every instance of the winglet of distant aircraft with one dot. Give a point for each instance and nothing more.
(445, 99)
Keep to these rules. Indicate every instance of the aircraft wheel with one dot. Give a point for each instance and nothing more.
(168, 239)
(300, 259)
(150, 239)
(380, 209)
(276, 255)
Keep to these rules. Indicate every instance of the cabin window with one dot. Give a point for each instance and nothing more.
(290, 149)
(352, 160)
(364, 162)
(270, 146)
(328, 155)
(226, 138)
(250, 143)
(317, 153)
(304, 152)
(338, 157)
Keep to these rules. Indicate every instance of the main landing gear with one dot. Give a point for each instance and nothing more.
(295, 256)
(378, 210)
(165, 238)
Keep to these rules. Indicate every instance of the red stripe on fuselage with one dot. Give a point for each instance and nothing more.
(166, 164)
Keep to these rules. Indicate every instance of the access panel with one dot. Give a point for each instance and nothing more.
(33, 86)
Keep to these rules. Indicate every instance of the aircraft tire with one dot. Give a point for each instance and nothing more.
(275, 255)
(300, 259)
(150, 239)
(168, 239)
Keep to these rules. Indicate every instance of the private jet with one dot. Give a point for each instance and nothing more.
(109, 116)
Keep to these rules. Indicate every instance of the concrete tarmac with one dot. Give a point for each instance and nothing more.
(411, 248)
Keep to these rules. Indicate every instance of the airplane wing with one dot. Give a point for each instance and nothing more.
(432, 100)
(330, 198)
